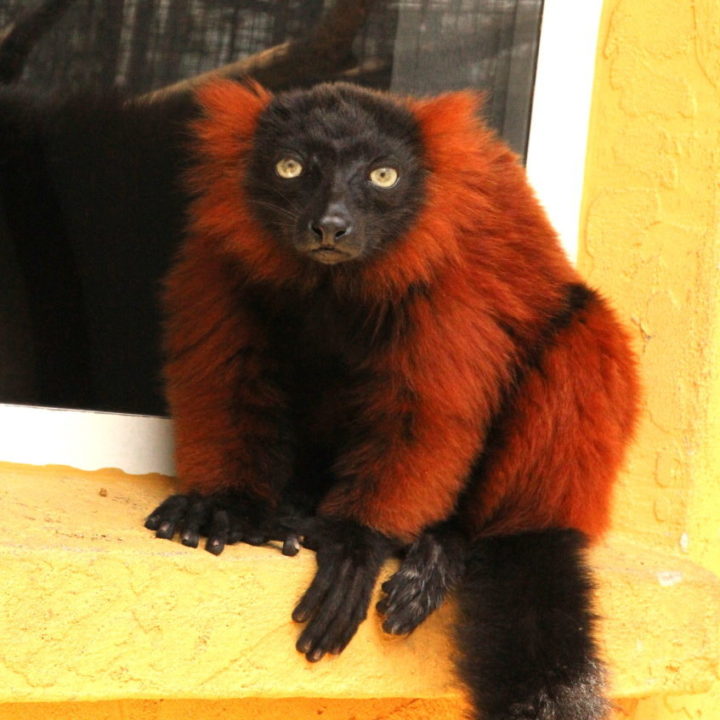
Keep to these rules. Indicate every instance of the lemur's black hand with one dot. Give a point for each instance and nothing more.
(349, 558)
(223, 518)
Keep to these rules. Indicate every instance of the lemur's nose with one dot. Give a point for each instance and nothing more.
(331, 227)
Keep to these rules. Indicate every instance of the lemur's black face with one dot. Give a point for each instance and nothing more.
(335, 172)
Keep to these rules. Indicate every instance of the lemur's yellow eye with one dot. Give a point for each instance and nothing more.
(288, 168)
(384, 177)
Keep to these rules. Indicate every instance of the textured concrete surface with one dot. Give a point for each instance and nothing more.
(95, 609)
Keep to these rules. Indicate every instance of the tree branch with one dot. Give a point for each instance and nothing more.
(18, 40)
(326, 51)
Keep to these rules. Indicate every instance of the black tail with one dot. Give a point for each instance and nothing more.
(525, 629)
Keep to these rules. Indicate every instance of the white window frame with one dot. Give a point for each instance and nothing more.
(560, 118)
(140, 444)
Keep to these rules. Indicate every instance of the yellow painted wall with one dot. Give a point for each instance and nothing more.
(650, 239)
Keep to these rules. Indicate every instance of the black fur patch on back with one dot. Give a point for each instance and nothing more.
(530, 359)
(577, 298)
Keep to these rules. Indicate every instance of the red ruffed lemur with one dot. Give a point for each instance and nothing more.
(371, 322)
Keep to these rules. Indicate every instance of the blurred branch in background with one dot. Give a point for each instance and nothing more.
(321, 55)
(19, 38)
(163, 49)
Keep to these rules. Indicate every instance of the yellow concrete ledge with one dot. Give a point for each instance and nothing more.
(94, 609)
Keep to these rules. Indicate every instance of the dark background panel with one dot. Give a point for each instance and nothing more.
(91, 207)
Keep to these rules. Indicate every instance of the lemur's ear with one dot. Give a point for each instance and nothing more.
(450, 112)
(230, 111)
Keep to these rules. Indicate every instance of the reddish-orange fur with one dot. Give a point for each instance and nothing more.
(566, 441)
(488, 256)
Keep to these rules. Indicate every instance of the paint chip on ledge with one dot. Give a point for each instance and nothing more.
(668, 578)
(684, 542)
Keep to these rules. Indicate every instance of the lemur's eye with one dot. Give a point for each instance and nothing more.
(288, 168)
(384, 177)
